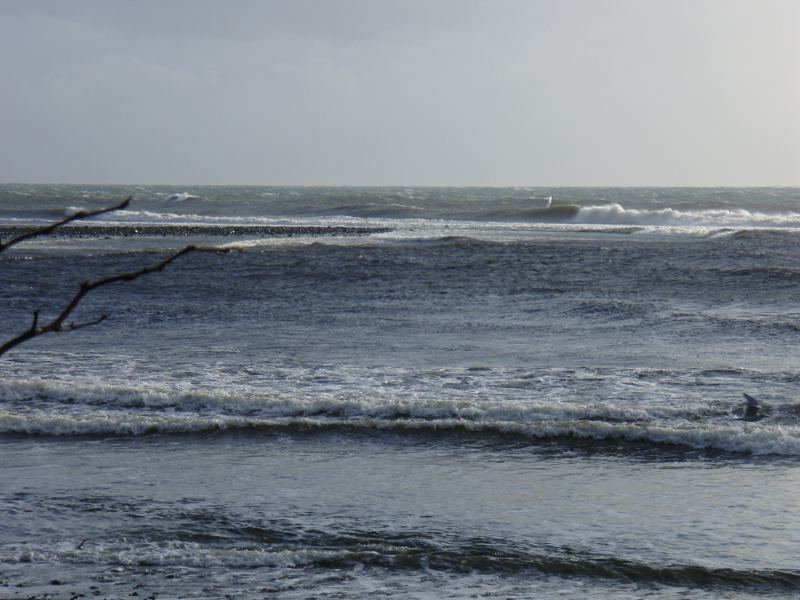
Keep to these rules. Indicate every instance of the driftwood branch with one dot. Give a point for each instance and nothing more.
(59, 325)
(47, 229)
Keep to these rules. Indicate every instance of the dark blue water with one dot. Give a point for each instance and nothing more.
(485, 397)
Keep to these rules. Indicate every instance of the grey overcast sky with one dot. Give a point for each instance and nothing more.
(407, 92)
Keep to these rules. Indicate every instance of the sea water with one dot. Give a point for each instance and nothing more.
(405, 392)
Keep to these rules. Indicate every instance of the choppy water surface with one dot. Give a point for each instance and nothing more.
(405, 392)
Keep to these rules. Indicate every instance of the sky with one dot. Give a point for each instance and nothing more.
(401, 92)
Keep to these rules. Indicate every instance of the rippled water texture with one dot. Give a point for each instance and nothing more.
(404, 392)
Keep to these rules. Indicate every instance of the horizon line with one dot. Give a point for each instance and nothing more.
(418, 186)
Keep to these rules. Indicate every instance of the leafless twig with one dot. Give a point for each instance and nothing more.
(82, 214)
(58, 324)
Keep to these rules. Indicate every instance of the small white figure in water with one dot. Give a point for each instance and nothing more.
(548, 201)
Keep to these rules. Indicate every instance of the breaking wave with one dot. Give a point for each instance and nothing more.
(616, 214)
(35, 408)
(613, 214)
(747, 438)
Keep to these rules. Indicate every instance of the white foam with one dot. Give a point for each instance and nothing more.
(180, 197)
(112, 423)
(173, 553)
(602, 218)
(247, 401)
(616, 214)
(543, 408)
(753, 438)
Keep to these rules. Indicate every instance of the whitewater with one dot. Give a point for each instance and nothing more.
(411, 392)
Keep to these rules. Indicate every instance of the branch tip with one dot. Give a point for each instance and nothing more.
(47, 229)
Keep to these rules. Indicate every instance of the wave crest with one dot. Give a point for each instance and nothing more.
(616, 214)
(32, 407)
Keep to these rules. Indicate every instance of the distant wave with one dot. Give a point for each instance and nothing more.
(40, 409)
(733, 221)
(391, 210)
(181, 196)
(150, 216)
(616, 214)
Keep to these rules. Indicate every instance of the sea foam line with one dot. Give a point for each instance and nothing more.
(249, 402)
(409, 556)
(600, 214)
(740, 437)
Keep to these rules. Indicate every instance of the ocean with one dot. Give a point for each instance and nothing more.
(403, 393)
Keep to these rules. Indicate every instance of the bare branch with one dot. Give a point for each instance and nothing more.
(53, 226)
(57, 324)
(73, 325)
